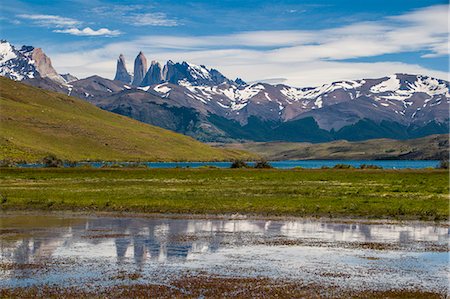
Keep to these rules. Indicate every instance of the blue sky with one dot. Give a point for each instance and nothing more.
(301, 43)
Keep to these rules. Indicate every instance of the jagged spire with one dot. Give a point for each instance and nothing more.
(121, 71)
(140, 69)
(154, 74)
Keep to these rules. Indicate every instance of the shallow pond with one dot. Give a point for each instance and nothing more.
(92, 251)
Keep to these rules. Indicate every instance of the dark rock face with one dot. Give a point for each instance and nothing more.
(193, 74)
(121, 71)
(154, 75)
(174, 72)
(69, 77)
(140, 69)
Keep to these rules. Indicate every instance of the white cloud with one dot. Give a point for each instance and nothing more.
(303, 57)
(136, 15)
(150, 19)
(89, 32)
(66, 25)
(50, 20)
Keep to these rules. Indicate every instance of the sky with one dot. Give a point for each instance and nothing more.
(299, 43)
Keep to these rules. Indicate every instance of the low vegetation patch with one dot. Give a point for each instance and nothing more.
(239, 164)
(394, 194)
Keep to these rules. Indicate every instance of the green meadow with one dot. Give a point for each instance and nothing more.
(371, 194)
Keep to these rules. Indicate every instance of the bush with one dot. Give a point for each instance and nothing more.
(239, 164)
(443, 164)
(368, 166)
(52, 161)
(7, 163)
(263, 164)
(342, 166)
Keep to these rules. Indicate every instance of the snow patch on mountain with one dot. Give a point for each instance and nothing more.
(391, 84)
(6, 52)
(162, 88)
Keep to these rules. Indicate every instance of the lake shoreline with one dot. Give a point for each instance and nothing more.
(190, 216)
(276, 164)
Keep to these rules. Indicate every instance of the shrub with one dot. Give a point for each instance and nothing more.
(52, 161)
(263, 164)
(7, 163)
(368, 166)
(3, 198)
(342, 166)
(239, 164)
(443, 164)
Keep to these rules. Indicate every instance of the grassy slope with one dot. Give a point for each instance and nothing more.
(433, 147)
(35, 122)
(405, 194)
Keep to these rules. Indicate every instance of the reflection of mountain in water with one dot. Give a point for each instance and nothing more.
(161, 240)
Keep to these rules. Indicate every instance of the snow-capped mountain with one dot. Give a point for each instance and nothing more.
(406, 97)
(170, 72)
(26, 63)
(203, 103)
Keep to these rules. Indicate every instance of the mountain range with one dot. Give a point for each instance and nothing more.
(203, 103)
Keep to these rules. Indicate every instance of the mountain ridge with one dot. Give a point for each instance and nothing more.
(204, 104)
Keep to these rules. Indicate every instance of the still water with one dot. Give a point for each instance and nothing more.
(86, 250)
(386, 164)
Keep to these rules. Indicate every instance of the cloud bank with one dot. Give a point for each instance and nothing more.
(89, 32)
(300, 57)
(66, 25)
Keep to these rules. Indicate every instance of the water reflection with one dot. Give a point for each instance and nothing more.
(165, 240)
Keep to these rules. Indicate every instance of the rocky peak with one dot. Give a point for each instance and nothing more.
(240, 82)
(140, 69)
(26, 63)
(69, 77)
(154, 74)
(44, 66)
(121, 71)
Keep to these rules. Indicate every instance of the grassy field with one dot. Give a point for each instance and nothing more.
(405, 194)
(35, 122)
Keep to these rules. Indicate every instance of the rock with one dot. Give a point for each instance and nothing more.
(121, 71)
(140, 69)
(154, 75)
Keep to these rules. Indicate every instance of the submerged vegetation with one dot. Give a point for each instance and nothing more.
(369, 193)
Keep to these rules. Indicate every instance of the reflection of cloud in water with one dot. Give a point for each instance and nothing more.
(158, 240)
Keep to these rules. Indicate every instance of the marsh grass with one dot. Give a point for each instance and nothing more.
(401, 194)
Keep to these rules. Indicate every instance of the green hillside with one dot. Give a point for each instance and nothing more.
(35, 122)
(434, 147)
